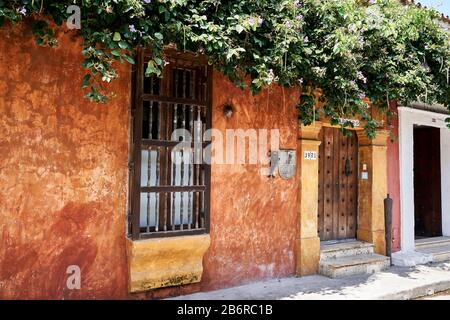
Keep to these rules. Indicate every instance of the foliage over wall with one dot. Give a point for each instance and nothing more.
(350, 51)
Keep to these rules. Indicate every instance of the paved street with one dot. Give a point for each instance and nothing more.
(395, 283)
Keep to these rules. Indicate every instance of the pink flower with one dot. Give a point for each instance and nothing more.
(132, 28)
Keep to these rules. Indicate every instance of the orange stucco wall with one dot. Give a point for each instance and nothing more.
(62, 173)
(63, 181)
(254, 218)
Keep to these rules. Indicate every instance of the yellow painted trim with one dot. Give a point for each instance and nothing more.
(165, 262)
(308, 244)
(371, 192)
(370, 196)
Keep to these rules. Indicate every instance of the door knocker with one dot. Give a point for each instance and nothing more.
(347, 167)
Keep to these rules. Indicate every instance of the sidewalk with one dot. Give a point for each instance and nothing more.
(395, 283)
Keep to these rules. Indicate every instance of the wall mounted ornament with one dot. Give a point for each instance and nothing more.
(285, 161)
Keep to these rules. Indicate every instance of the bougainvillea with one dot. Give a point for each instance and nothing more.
(341, 53)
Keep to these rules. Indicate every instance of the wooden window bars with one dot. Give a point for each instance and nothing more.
(169, 191)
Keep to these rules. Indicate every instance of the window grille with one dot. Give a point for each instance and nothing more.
(170, 192)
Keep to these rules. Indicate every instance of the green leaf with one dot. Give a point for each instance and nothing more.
(152, 69)
(123, 45)
(158, 36)
(85, 82)
(117, 36)
(129, 59)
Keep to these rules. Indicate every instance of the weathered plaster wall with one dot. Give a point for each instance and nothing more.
(254, 218)
(254, 222)
(393, 175)
(62, 174)
(63, 181)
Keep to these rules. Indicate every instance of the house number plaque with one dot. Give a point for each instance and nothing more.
(310, 155)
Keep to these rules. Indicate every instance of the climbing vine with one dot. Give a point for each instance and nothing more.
(340, 53)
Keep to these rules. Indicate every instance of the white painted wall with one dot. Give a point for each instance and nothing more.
(406, 180)
(445, 165)
(407, 118)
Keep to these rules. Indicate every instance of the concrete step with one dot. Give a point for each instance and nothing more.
(439, 253)
(353, 265)
(343, 249)
(432, 242)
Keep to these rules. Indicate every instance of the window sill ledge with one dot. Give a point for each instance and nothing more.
(164, 262)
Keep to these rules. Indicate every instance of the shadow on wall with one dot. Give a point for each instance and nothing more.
(38, 269)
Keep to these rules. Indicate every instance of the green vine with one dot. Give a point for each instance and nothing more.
(352, 50)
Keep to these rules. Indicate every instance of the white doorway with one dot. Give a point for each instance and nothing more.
(409, 118)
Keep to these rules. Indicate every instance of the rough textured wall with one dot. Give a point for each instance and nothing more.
(254, 218)
(393, 170)
(62, 174)
(63, 181)
(254, 222)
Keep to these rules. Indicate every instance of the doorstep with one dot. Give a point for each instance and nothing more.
(343, 259)
(427, 250)
(438, 248)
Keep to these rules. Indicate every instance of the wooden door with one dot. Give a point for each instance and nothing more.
(338, 172)
(427, 182)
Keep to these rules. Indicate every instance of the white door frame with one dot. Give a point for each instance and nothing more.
(408, 117)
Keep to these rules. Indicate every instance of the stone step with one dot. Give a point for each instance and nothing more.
(432, 242)
(343, 249)
(438, 253)
(353, 265)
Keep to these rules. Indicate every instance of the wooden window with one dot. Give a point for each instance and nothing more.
(169, 191)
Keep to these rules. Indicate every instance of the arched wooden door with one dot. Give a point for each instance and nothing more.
(338, 185)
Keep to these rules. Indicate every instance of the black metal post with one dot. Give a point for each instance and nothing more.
(388, 223)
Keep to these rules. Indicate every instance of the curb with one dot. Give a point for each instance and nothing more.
(418, 292)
